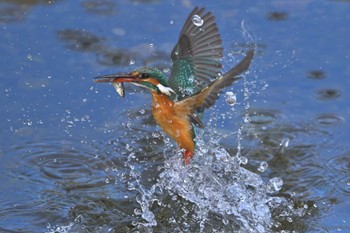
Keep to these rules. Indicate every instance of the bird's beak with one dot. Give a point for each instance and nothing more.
(116, 78)
(117, 81)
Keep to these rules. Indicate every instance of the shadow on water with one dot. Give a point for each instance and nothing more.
(12, 11)
(82, 41)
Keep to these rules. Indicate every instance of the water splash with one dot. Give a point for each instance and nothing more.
(214, 186)
(230, 98)
(263, 166)
(197, 20)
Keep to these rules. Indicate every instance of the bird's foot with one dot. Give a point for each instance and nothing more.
(188, 156)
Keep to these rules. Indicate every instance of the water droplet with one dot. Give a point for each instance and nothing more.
(30, 57)
(284, 144)
(230, 98)
(70, 124)
(49, 77)
(151, 45)
(107, 181)
(137, 211)
(132, 62)
(156, 135)
(263, 166)
(243, 160)
(84, 100)
(149, 216)
(156, 105)
(191, 78)
(171, 22)
(142, 111)
(129, 148)
(274, 185)
(166, 70)
(197, 20)
(28, 122)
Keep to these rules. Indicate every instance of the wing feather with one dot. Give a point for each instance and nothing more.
(207, 97)
(197, 55)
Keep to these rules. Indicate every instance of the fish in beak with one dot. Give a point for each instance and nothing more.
(117, 81)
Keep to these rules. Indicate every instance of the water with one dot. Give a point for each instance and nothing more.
(76, 157)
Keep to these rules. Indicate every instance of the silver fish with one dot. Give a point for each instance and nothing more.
(119, 88)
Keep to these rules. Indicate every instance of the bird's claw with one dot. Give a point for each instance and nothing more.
(188, 155)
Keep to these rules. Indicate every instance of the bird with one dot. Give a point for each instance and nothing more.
(194, 84)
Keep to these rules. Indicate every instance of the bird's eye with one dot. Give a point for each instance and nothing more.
(143, 75)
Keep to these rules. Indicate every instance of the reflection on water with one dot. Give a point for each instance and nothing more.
(100, 7)
(83, 41)
(328, 94)
(277, 16)
(16, 10)
(10, 14)
(316, 74)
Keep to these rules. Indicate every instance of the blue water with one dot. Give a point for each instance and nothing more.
(76, 157)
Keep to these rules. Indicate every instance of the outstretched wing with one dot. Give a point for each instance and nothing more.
(197, 54)
(208, 96)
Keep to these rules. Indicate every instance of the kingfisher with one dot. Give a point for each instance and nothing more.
(194, 84)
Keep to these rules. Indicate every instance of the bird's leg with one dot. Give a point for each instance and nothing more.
(188, 156)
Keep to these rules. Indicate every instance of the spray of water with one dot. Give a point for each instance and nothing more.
(213, 189)
(214, 193)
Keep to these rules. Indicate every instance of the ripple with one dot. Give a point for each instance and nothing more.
(11, 14)
(328, 94)
(262, 116)
(277, 16)
(329, 119)
(316, 74)
(99, 7)
(343, 185)
(339, 163)
(47, 178)
(59, 166)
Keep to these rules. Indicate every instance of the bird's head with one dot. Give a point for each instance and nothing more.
(148, 77)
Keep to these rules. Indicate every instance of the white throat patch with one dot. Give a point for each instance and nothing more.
(165, 90)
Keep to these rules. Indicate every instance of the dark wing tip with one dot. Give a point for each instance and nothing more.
(213, 91)
(199, 49)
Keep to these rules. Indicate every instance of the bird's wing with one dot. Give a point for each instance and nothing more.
(197, 54)
(207, 97)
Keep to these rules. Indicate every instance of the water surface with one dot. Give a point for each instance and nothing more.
(76, 157)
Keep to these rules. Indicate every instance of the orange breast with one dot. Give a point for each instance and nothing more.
(175, 124)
